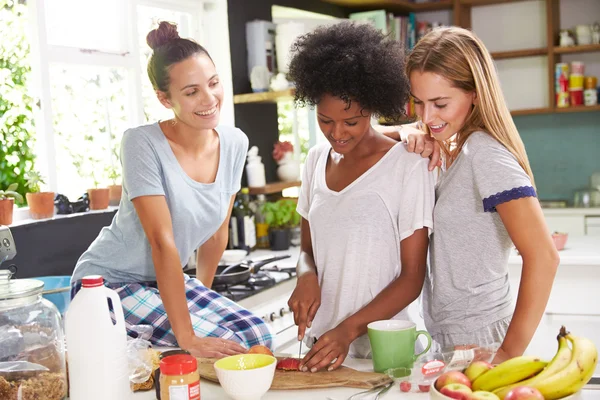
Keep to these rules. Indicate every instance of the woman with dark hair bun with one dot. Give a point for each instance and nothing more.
(180, 178)
(366, 203)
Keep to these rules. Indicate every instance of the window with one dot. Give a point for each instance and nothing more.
(89, 63)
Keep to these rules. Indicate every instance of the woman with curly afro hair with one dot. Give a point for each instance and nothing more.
(366, 203)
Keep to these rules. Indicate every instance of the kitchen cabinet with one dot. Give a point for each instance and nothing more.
(575, 299)
(574, 221)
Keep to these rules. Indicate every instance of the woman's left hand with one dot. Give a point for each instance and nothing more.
(332, 345)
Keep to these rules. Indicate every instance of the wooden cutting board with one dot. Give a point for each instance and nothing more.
(282, 380)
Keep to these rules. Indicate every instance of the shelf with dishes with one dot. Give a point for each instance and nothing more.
(398, 6)
(584, 48)
(264, 97)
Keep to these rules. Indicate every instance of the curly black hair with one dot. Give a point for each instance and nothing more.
(355, 62)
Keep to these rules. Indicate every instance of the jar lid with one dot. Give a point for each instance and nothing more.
(180, 364)
(17, 288)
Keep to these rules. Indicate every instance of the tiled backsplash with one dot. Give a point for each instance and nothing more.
(564, 150)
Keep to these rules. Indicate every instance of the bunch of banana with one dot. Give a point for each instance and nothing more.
(510, 371)
(561, 359)
(569, 370)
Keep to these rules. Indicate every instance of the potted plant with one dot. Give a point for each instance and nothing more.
(99, 197)
(289, 168)
(41, 204)
(7, 203)
(89, 165)
(114, 190)
(281, 216)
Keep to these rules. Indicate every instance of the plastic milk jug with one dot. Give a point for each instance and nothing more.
(96, 347)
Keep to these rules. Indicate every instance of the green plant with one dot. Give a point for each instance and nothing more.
(16, 115)
(281, 214)
(113, 174)
(11, 192)
(34, 180)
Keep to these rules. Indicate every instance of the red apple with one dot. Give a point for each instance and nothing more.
(456, 391)
(288, 364)
(405, 386)
(260, 349)
(477, 368)
(452, 377)
(483, 395)
(524, 393)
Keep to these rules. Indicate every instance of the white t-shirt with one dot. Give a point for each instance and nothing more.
(356, 232)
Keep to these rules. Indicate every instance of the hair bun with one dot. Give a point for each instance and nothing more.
(165, 32)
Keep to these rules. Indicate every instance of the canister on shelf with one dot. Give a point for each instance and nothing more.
(590, 97)
(590, 82)
(563, 99)
(561, 77)
(576, 82)
(577, 68)
(576, 97)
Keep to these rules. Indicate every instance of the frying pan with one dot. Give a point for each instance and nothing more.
(239, 272)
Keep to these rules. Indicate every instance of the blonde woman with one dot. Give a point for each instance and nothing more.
(485, 201)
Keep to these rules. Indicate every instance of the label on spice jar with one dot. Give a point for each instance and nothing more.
(185, 392)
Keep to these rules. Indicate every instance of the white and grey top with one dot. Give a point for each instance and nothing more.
(467, 289)
(121, 253)
(356, 232)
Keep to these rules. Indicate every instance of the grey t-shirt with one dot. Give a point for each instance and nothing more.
(121, 252)
(467, 287)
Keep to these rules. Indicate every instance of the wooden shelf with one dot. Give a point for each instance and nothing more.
(487, 2)
(274, 187)
(577, 109)
(586, 48)
(503, 55)
(264, 97)
(551, 110)
(532, 111)
(399, 6)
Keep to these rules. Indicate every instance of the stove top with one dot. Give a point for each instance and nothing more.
(258, 282)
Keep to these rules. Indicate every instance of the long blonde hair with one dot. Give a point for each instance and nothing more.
(461, 57)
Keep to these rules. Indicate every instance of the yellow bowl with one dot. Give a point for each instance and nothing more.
(434, 394)
(246, 376)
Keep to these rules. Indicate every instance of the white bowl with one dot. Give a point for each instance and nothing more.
(232, 256)
(246, 376)
(436, 395)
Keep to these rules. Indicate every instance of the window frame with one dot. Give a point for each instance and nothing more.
(206, 15)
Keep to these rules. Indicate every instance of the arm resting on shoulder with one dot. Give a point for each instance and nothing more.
(524, 221)
(401, 292)
(212, 250)
(156, 220)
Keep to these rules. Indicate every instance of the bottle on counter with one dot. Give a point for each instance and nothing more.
(179, 378)
(244, 219)
(96, 347)
(262, 228)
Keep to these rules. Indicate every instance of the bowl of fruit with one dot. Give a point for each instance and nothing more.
(524, 377)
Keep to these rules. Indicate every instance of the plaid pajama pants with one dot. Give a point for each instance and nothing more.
(212, 315)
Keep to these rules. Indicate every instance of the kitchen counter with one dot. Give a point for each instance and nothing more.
(572, 211)
(213, 391)
(579, 251)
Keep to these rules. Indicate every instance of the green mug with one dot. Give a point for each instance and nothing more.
(393, 343)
